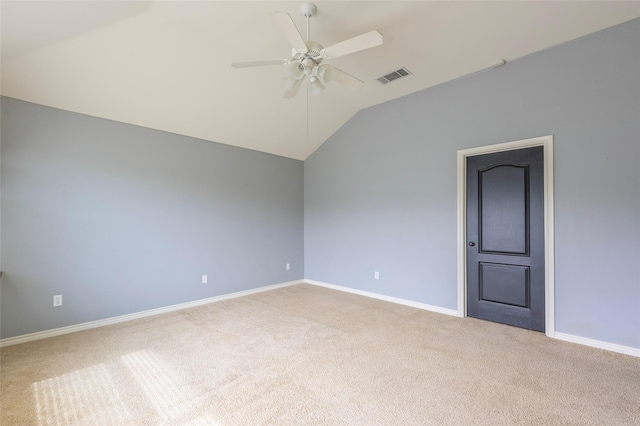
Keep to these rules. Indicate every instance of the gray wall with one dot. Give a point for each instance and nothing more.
(381, 193)
(120, 219)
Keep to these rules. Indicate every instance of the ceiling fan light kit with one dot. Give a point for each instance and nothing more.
(307, 55)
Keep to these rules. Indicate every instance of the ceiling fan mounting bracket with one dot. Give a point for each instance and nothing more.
(308, 10)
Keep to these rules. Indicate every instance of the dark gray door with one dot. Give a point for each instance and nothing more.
(505, 237)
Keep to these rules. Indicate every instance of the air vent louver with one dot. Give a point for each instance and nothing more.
(402, 72)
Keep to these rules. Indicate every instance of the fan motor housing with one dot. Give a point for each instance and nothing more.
(314, 51)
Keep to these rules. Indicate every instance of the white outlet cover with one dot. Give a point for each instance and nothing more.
(57, 300)
(376, 275)
(288, 266)
(204, 279)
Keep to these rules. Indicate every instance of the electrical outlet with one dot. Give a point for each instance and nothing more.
(376, 275)
(288, 266)
(57, 300)
(204, 279)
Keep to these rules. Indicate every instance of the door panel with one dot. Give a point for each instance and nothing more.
(503, 209)
(507, 284)
(505, 235)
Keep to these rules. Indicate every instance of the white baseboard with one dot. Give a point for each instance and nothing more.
(438, 309)
(122, 318)
(627, 350)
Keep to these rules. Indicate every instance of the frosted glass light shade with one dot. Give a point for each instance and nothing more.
(316, 86)
(296, 70)
(324, 73)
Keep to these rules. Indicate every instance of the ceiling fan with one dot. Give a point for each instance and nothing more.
(307, 56)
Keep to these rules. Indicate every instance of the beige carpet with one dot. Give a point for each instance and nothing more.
(310, 355)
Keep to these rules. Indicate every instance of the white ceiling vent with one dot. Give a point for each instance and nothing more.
(402, 72)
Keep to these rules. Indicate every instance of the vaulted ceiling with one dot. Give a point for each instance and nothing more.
(167, 65)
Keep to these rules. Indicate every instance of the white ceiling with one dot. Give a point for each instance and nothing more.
(166, 65)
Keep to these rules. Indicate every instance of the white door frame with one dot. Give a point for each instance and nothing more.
(549, 286)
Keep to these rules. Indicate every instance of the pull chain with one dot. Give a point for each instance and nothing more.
(308, 37)
(307, 114)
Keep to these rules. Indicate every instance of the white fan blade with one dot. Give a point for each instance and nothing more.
(355, 44)
(291, 93)
(289, 29)
(343, 78)
(259, 63)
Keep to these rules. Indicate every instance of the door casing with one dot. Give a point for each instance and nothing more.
(547, 143)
